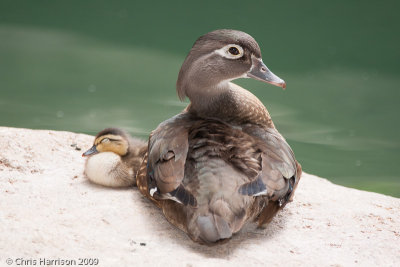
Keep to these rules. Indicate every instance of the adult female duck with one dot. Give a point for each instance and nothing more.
(221, 162)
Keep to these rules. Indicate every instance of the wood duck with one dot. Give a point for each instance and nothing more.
(221, 162)
(114, 159)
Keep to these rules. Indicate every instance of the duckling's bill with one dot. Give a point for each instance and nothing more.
(261, 72)
(91, 151)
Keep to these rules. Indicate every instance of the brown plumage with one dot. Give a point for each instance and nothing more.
(221, 162)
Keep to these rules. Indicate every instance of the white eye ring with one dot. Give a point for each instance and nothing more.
(226, 51)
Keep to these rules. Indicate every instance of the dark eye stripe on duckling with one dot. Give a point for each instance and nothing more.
(111, 138)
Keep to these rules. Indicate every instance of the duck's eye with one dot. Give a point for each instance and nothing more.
(230, 51)
(234, 51)
(105, 140)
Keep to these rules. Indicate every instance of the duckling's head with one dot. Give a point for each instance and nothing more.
(109, 140)
(221, 56)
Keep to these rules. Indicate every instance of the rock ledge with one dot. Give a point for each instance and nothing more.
(49, 210)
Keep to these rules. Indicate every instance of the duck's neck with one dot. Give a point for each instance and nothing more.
(228, 102)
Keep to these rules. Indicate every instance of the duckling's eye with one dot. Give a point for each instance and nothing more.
(105, 140)
(233, 50)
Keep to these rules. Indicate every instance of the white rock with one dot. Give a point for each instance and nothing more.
(49, 210)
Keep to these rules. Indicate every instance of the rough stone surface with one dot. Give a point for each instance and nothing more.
(49, 210)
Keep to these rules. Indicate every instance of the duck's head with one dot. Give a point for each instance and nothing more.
(109, 140)
(221, 56)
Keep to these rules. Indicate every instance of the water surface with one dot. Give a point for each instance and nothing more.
(85, 67)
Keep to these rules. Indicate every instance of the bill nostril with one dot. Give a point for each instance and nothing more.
(263, 69)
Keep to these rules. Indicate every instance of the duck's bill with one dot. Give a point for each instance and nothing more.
(260, 72)
(91, 151)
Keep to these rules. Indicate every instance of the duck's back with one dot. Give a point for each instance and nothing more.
(220, 160)
(210, 177)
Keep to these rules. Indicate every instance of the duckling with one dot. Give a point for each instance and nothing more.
(221, 162)
(114, 158)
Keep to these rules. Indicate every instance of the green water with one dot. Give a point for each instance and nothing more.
(86, 66)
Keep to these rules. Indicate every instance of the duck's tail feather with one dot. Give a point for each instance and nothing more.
(213, 228)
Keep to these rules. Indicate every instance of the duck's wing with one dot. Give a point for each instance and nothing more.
(280, 172)
(167, 152)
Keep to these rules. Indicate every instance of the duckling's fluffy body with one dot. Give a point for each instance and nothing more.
(108, 169)
(114, 159)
